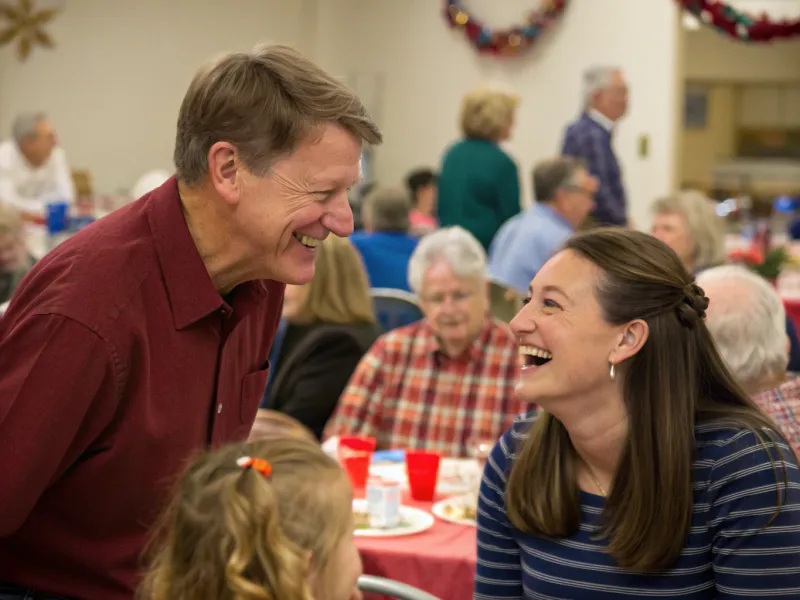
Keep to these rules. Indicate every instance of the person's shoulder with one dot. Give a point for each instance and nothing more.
(358, 237)
(584, 127)
(456, 148)
(410, 242)
(498, 157)
(727, 451)
(91, 275)
(505, 450)
(346, 339)
(576, 124)
(505, 240)
(401, 336)
(719, 436)
(58, 155)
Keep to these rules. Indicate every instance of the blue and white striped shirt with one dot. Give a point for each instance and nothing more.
(729, 553)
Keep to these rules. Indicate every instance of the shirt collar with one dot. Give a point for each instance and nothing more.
(191, 293)
(600, 119)
(475, 351)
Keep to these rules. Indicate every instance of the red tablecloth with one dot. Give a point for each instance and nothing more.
(440, 561)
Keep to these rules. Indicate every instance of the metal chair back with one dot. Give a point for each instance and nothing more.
(392, 589)
(395, 308)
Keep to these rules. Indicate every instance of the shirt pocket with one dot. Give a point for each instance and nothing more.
(253, 386)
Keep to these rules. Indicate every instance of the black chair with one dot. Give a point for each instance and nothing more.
(392, 589)
(395, 308)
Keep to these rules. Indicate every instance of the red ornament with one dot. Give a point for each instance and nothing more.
(504, 42)
(737, 24)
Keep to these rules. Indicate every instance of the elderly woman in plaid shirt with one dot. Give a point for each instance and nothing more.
(747, 320)
(444, 383)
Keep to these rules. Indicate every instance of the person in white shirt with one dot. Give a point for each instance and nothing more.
(33, 169)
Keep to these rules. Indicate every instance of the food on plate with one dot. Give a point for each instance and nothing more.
(460, 511)
(361, 518)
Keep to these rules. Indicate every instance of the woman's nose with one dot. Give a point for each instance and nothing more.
(522, 323)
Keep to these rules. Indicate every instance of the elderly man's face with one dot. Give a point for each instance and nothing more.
(614, 98)
(282, 216)
(38, 147)
(455, 307)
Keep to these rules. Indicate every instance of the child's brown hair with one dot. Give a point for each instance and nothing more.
(233, 533)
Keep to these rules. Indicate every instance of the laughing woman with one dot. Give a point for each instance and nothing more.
(650, 473)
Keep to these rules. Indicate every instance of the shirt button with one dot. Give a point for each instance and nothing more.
(219, 408)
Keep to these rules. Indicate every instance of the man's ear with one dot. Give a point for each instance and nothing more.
(224, 172)
(630, 341)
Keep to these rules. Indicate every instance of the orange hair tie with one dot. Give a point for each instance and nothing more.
(257, 464)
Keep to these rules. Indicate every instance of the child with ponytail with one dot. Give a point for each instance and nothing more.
(261, 520)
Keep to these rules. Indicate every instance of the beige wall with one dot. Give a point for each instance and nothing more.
(115, 81)
(424, 69)
(711, 57)
(704, 148)
(116, 78)
(747, 84)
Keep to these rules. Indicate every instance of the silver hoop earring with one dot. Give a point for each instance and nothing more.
(612, 372)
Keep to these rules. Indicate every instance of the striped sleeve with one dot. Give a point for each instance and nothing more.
(498, 573)
(753, 554)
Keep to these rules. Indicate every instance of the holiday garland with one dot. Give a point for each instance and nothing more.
(737, 24)
(504, 42)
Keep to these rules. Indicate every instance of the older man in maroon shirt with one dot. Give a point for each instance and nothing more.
(145, 337)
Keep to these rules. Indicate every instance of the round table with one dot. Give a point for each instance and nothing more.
(440, 560)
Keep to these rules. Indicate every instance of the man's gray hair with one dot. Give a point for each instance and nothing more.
(595, 79)
(25, 125)
(747, 320)
(552, 174)
(387, 209)
(453, 245)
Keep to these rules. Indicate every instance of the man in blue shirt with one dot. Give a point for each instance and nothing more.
(590, 139)
(385, 244)
(564, 192)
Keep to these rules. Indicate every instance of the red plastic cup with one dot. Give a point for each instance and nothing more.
(355, 454)
(423, 474)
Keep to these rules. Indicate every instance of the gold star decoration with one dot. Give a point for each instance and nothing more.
(23, 24)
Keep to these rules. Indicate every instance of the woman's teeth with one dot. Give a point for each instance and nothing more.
(535, 356)
(306, 240)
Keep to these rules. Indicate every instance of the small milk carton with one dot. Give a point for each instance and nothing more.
(383, 503)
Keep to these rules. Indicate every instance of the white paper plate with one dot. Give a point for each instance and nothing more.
(448, 509)
(412, 520)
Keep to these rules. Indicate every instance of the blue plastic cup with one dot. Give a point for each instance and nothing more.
(57, 217)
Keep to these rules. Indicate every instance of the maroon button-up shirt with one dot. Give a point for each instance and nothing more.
(118, 361)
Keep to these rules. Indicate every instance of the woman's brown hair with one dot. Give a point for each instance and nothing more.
(676, 380)
(231, 533)
(339, 291)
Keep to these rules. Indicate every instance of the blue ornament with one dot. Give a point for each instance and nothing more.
(485, 36)
(530, 31)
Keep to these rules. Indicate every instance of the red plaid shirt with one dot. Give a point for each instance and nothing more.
(783, 405)
(409, 395)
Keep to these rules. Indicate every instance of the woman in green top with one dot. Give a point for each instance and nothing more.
(479, 182)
